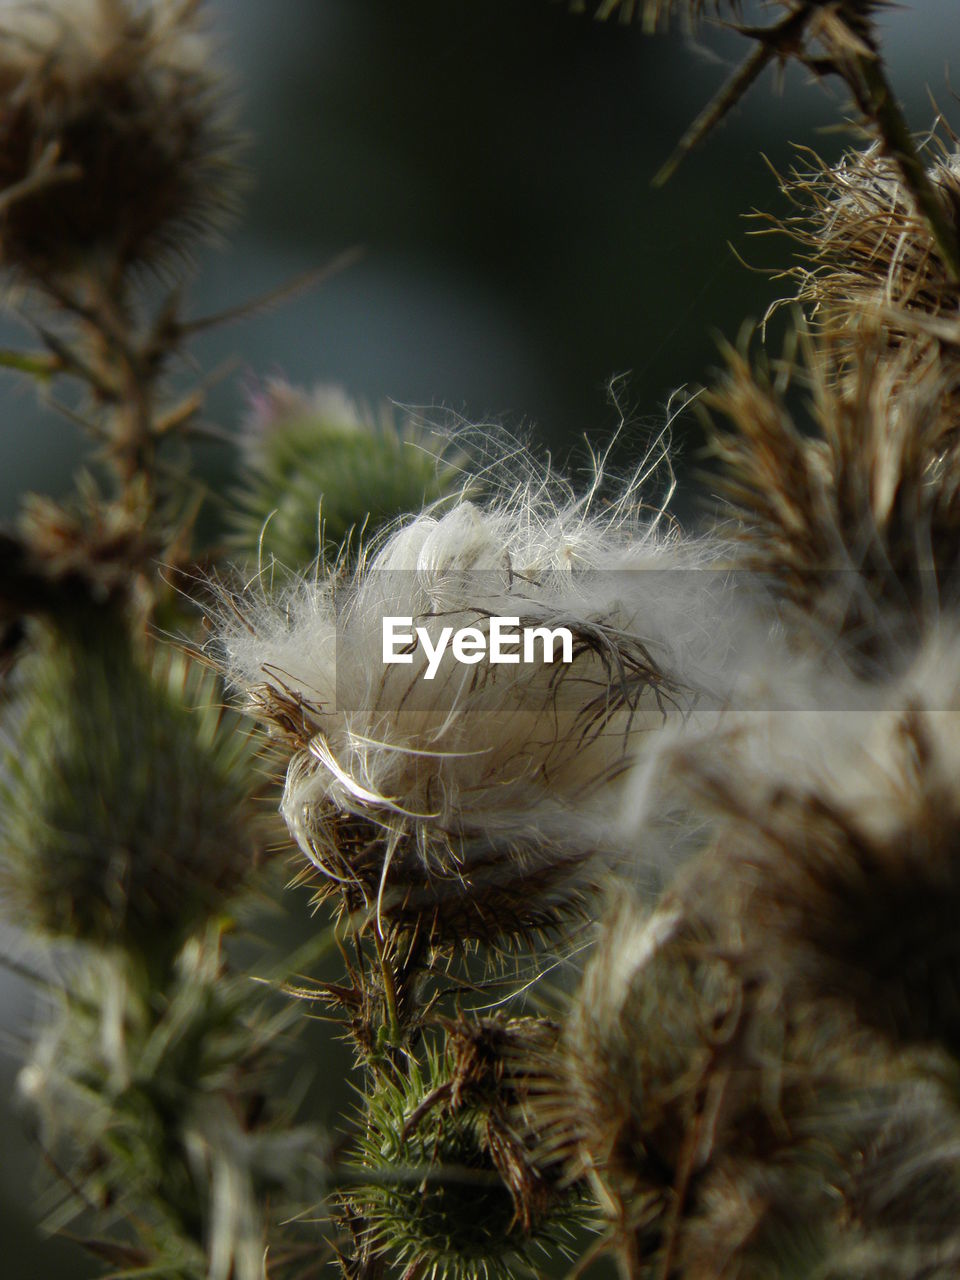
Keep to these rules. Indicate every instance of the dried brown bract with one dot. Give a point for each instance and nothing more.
(855, 524)
(870, 259)
(718, 1124)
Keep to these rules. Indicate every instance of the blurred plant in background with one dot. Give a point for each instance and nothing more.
(742, 803)
(366, 469)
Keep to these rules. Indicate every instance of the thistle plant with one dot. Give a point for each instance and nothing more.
(727, 812)
(314, 464)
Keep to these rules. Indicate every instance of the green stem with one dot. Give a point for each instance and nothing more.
(389, 991)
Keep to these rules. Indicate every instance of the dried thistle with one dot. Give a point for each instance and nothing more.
(720, 1116)
(840, 821)
(871, 262)
(855, 525)
(903, 1204)
(485, 792)
(115, 146)
(830, 38)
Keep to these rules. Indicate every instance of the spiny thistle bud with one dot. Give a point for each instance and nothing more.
(476, 800)
(114, 142)
(319, 467)
(126, 813)
(454, 1189)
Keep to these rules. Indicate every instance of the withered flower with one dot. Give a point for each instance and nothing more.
(115, 143)
(479, 802)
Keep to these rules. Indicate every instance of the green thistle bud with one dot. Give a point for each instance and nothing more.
(455, 1188)
(126, 815)
(317, 463)
(114, 143)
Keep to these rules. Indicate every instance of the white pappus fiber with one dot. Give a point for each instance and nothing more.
(484, 767)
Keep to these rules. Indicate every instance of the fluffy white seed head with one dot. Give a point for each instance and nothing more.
(520, 758)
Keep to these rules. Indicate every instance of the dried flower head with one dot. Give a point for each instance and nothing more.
(126, 812)
(839, 820)
(856, 525)
(478, 801)
(870, 259)
(903, 1204)
(115, 146)
(319, 467)
(721, 1124)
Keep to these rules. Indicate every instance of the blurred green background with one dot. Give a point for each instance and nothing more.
(493, 160)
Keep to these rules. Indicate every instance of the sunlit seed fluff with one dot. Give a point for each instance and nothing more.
(126, 815)
(319, 467)
(436, 793)
(115, 142)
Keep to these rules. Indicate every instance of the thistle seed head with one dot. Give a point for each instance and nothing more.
(720, 1123)
(487, 791)
(839, 823)
(115, 143)
(869, 257)
(856, 525)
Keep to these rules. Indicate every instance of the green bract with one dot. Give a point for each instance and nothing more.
(454, 1187)
(320, 468)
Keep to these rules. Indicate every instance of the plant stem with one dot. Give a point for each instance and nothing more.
(389, 991)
